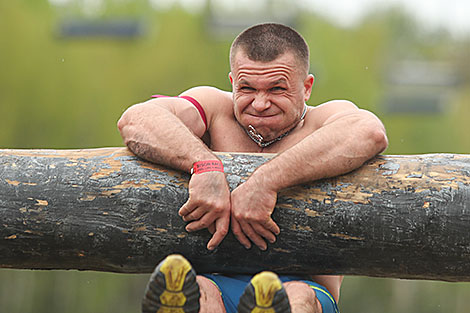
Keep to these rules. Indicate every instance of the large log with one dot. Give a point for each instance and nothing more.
(107, 210)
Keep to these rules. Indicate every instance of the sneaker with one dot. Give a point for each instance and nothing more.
(264, 294)
(172, 288)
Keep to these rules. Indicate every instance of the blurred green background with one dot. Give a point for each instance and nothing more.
(69, 68)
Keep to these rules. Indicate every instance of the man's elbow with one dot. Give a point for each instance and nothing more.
(122, 122)
(378, 137)
(122, 126)
(126, 122)
(373, 130)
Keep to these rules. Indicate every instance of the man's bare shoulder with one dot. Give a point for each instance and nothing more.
(334, 106)
(319, 114)
(210, 98)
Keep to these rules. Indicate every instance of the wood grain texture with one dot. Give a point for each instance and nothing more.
(107, 210)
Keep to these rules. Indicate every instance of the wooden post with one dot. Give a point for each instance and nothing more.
(107, 210)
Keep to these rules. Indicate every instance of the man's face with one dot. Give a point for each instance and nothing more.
(270, 96)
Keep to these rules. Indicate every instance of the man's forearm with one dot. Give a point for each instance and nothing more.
(157, 135)
(334, 149)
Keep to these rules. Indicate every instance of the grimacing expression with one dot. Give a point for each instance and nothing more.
(270, 96)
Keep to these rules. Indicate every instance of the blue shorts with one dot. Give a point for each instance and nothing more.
(232, 286)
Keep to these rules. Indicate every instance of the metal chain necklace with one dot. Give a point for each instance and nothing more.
(258, 138)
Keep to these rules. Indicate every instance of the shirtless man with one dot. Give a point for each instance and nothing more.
(266, 111)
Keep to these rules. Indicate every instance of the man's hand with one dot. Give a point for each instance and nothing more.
(252, 206)
(208, 206)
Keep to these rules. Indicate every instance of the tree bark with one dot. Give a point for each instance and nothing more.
(107, 210)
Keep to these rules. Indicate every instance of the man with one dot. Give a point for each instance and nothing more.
(265, 112)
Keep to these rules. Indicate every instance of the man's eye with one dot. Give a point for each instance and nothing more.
(277, 88)
(246, 88)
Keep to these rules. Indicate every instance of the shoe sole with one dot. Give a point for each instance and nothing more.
(172, 288)
(264, 294)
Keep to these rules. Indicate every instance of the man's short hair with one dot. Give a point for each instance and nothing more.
(266, 42)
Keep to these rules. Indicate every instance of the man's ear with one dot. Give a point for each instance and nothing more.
(230, 77)
(308, 85)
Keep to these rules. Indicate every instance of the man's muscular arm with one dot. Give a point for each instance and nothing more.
(150, 130)
(345, 140)
(167, 131)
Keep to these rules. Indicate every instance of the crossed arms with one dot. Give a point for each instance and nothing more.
(168, 131)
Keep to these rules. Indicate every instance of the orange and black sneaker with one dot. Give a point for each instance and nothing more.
(264, 294)
(172, 288)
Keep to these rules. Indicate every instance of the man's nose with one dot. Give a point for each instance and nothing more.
(261, 102)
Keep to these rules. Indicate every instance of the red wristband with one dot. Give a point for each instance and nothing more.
(207, 166)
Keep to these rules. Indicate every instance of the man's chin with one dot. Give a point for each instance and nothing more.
(264, 126)
(266, 132)
(269, 120)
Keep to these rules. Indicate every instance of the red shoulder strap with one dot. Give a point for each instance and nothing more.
(193, 101)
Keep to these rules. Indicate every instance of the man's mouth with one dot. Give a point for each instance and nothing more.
(262, 115)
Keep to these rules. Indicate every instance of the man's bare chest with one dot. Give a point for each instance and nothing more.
(229, 136)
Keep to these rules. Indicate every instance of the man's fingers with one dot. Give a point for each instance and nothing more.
(237, 231)
(260, 230)
(202, 223)
(187, 208)
(251, 233)
(272, 226)
(194, 215)
(221, 230)
(211, 228)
